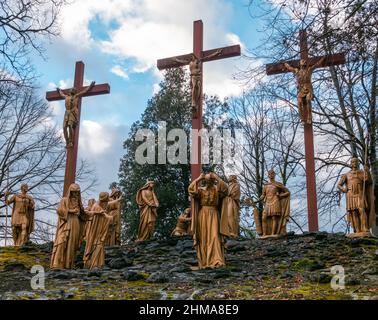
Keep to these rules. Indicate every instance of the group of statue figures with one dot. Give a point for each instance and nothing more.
(214, 215)
(98, 224)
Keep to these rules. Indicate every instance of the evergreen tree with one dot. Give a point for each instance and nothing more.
(172, 105)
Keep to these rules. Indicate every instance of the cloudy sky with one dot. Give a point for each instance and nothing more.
(119, 41)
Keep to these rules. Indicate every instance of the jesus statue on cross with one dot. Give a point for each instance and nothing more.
(71, 115)
(304, 85)
(195, 67)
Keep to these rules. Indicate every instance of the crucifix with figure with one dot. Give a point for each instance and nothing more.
(195, 61)
(303, 69)
(71, 123)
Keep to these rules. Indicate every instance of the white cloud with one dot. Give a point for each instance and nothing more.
(142, 31)
(94, 138)
(119, 71)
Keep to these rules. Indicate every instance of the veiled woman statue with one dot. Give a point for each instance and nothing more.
(71, 223)
(148, 204)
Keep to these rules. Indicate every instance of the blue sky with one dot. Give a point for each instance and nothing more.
(119, 42)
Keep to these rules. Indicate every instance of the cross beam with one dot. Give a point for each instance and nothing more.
(100, 89)
(203, 56)
(278, 68)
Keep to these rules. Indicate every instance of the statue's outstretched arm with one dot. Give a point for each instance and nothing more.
(89, 88)
(61, 93)
(290, 68)
(214, 54)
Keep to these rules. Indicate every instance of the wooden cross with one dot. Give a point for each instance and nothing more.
(318, 62)
(71, 160)
(203, 56)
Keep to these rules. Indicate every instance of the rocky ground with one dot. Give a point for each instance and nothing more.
(292, 267)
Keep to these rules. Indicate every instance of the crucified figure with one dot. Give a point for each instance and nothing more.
(195, 67)
(304, 85)
(71, 115)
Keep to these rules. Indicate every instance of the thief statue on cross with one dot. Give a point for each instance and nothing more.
(304, 85)
(71, 115)
(195, 67)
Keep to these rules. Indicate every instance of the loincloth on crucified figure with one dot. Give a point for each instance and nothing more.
(70, 118)
(196, 94)
(305, 96)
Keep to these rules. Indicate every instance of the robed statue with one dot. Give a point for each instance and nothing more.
(148, 204)
(70, 229)
(209, 225)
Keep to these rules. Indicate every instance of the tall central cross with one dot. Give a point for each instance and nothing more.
(72, 151)
(195, 61)
(294, 65)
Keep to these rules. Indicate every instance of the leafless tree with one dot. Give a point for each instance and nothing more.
(25, 25)
(32, 151)
(345, 107)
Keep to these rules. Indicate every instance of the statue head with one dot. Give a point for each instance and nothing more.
(73, 91)
(151, 184)
(271, 174)
(187, 212)
(74, 191)
(91, 202)
(116, 193)
(209, 179)
(104, 197)
(303, 63)
(355, 163)
(24, 188)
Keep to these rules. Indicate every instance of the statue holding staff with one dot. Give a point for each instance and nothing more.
(359, 192)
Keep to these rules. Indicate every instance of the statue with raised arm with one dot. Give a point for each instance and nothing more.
(148, 204)
(98, 227)
(22, 215)
(195, 67)
(359, 191)
(114, 234)
(71, 115)
(304, 86)
(209, 225)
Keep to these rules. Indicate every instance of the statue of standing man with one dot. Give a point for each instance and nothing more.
(358, 187)
(148, 204)
(275, 215)
(22, 215)
(71, 115)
